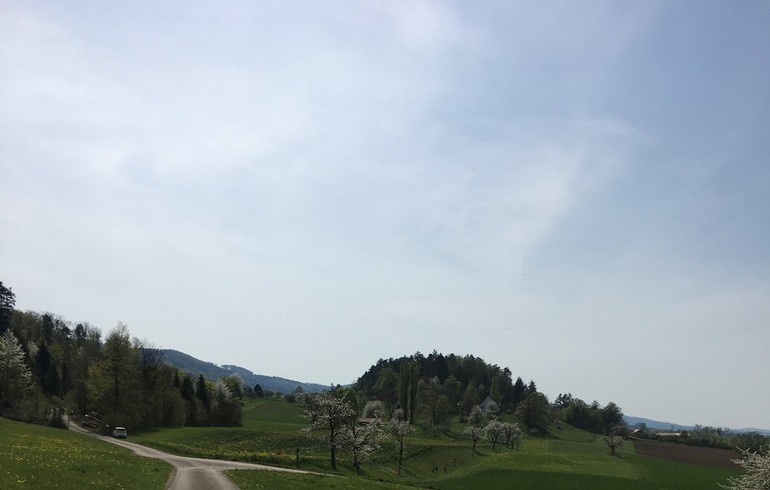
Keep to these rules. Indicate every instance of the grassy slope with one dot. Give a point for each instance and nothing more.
(569, 459)
(33, 456)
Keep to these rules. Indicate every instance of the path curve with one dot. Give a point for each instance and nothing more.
(191, 473)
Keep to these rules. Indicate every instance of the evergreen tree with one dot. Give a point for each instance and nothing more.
(408, 379)
(202, 394)
(188, 394)
(519, 391)
(7, 302)
(45, 369)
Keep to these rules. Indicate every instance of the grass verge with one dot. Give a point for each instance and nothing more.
(34, 456)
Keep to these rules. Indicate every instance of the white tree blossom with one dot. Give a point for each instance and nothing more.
(332, 415)
(495, 431)
(757, 471)
(374, 409)
(475, 434)
(399, 428)
(363, 440)
(613, 442)
(15, 376)
(477, 416)
(222, 391)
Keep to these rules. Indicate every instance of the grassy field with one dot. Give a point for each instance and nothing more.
(39, 457)
(565, 459)
(33, 456)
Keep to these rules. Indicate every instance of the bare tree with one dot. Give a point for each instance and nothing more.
(330, 414)
(757, 475)
(512, 435)
(399, 428)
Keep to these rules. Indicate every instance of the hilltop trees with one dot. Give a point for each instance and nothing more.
(433, 405)
(427, 386)
(592, 418)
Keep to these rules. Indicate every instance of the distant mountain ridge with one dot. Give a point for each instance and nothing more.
(658, 425)
(195, 367)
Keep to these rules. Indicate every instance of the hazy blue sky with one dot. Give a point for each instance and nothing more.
(577, 190)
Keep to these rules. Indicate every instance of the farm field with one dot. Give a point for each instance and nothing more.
(719, 458)
(567, 458)
(33, 456)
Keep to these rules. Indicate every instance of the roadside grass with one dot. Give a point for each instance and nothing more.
(33, 456)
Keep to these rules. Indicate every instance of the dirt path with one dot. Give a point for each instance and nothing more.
(190, 473)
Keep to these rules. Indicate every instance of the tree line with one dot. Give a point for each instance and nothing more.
(707, 436)
(47, 364)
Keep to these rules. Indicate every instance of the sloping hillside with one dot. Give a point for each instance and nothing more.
(211, 371)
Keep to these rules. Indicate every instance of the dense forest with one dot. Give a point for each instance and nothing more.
(46, 364)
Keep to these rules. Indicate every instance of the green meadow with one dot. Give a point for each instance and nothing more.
(39, 457)
(564, 459)
(33, 456)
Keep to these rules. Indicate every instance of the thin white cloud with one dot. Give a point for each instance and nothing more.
(387, 177)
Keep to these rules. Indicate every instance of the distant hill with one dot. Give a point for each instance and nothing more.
(658, 425)
(195, 367)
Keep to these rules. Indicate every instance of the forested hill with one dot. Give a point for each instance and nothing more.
(459, 382)
(195, 367)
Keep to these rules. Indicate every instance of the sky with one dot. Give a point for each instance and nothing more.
(575, 190)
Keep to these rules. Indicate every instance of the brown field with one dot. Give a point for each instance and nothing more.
(706, 456)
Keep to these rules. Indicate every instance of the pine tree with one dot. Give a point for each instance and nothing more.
(7, 302)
